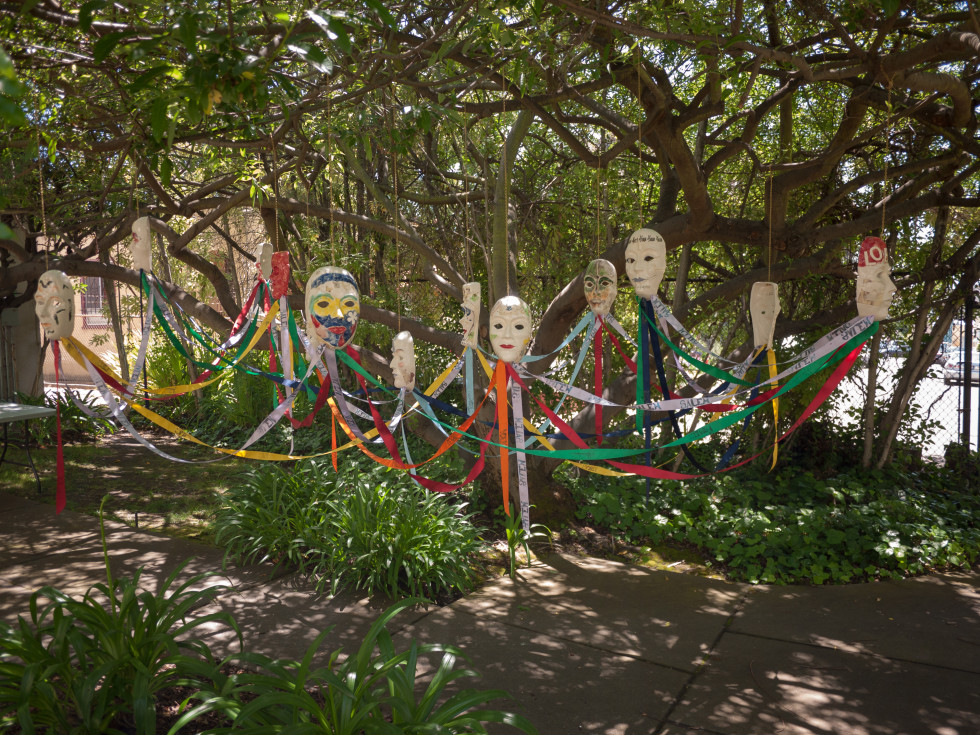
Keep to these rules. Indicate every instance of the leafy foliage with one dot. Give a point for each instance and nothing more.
(518, 538)
(793, 527)
(375, 690)
(76, 424)
(95, 664)
(373, 531)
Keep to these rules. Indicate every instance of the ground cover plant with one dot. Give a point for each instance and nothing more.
(377, 689)
(96, 664)
(794, 526)
(103, 663)
(360, 528)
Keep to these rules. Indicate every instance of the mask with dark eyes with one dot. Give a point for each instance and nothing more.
(510, 328)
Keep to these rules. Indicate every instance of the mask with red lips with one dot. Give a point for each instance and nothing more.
(333, 307)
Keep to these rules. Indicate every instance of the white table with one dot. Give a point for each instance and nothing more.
(12, 412)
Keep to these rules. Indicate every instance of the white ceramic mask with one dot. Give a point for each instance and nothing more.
(263, 261)
(403, 360)
(646, 262)
(139, 246)
(764, 308)
(333, 307)
(470, 321)
(54, 304)
(510, 328)
(875, 288)
(599, 283)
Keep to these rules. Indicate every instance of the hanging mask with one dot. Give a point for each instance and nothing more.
(875, 288)
(510, 328)
(764, 308)
(279, 280)
(139, 246)
(470, 321)
(263, 260)
(333, 307)
(646, 262)
(599, 283)
(54, 304)
(403, 360)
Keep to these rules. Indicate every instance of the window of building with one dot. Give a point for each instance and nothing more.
(94, 302)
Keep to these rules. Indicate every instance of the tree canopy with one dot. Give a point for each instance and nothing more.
(424, 145)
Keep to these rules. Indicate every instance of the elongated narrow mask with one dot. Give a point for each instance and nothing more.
(470, 321)
(54, 304)
(139, 246)
(764, 308)
(875, 288)
(333, 307)
(646, 262)
(403, 360)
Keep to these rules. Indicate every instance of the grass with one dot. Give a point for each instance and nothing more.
(144, 491)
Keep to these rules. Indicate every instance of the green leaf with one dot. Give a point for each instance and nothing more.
(159, 117)
(11, 114)
(85, 15)
(146, 78)
(104, 46)
(166, 169)
(379, 7)
(5, 232)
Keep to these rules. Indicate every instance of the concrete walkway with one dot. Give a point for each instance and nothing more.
(591, 646)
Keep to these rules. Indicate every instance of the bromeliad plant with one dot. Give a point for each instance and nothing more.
(95, 664)
(376, 690)
(518, 538)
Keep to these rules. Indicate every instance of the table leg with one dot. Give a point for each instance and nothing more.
(30, 460)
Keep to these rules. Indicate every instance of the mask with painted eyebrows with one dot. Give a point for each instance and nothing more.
(333, 307)
(54, 304)
(600, 286)
(646, 262)
(510, 328)
(403, 360)
(470, 321)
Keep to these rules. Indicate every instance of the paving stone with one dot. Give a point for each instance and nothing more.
(662, 617)
(761, 686)
(281, 619)
(932, 620)
(559, 685)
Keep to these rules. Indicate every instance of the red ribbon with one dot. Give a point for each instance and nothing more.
(597, 353)
(436, 486)
(59, 497)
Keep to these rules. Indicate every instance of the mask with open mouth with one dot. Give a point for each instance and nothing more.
(333, 307)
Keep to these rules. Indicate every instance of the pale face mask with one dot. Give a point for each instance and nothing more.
(54, 304)
(263, 260)
(139, 246)
(470, 321)
(646, 262)
(333, 307)
(875, 288)
(510, 328)
(764, 308)
(600, 286)
(403, 360)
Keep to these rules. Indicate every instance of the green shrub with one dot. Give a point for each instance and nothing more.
(95, 664)
(376, 690)
(376, 532)
(794, 527)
